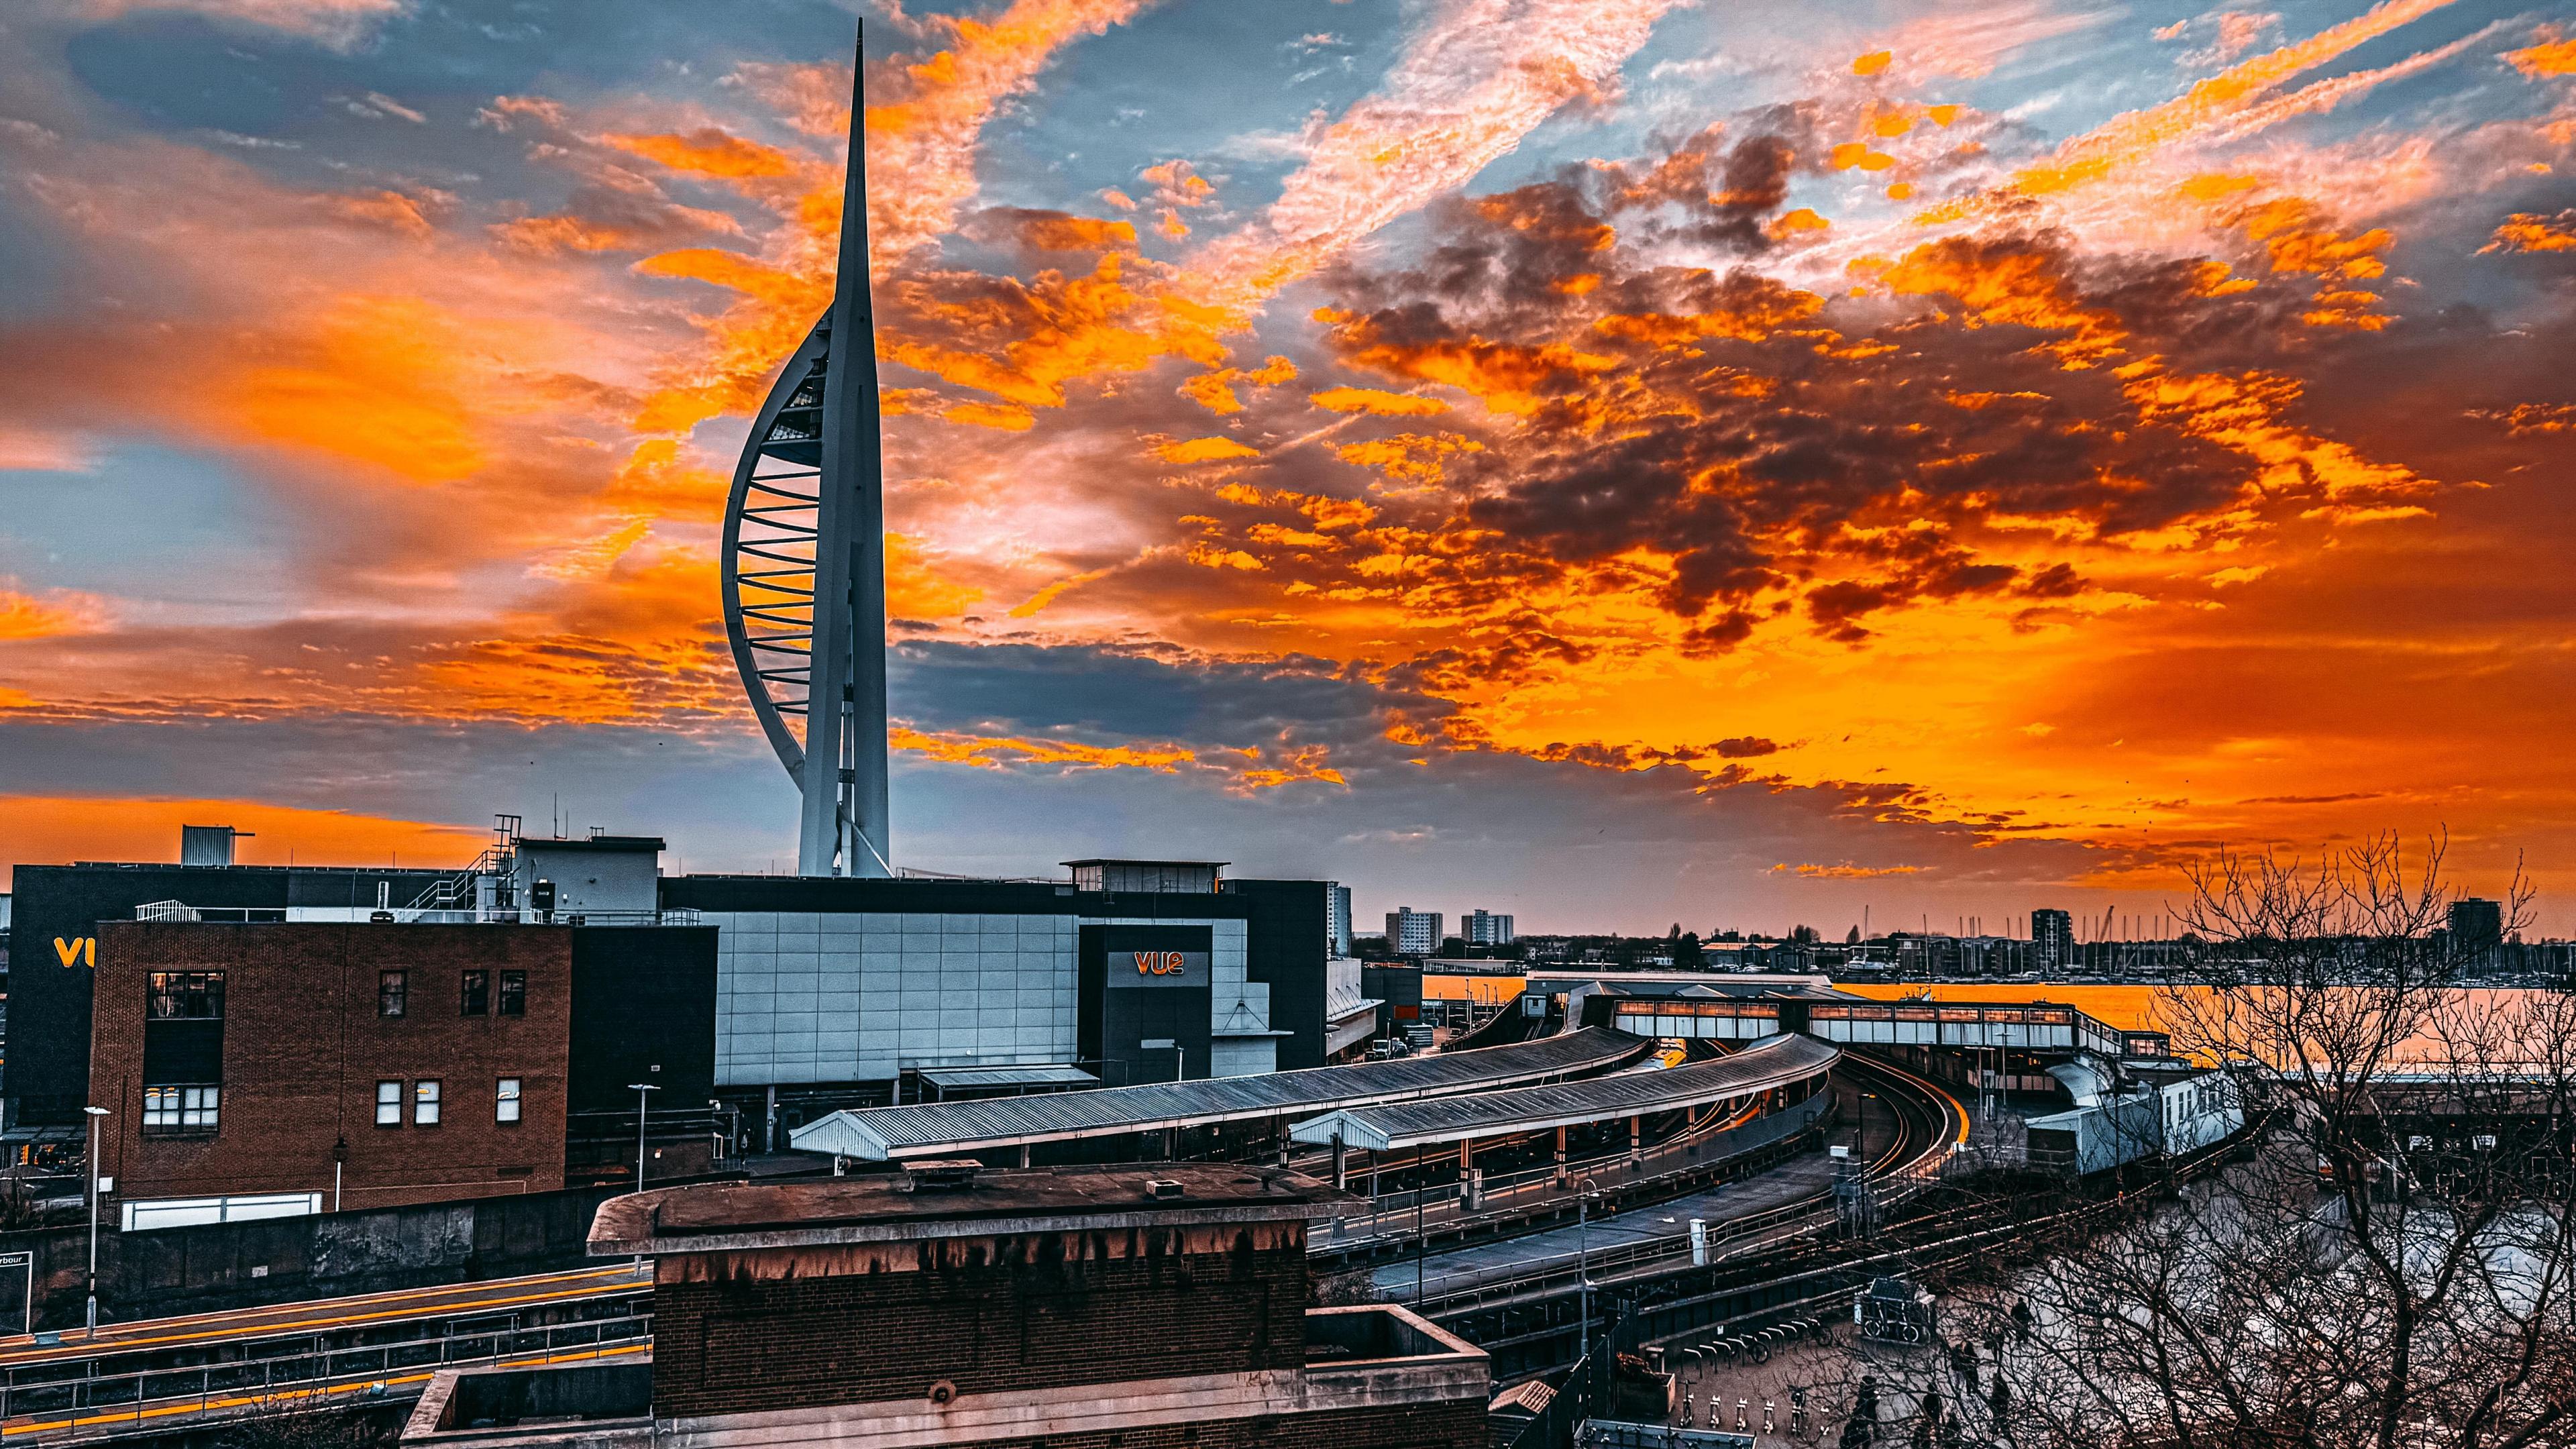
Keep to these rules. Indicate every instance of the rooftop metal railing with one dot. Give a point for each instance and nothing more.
(305, 1375)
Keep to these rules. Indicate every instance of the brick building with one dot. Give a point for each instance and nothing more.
(1078, 1308)
(266, 1068)
(372, 1065)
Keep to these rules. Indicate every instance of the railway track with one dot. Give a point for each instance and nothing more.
(1929, 1121)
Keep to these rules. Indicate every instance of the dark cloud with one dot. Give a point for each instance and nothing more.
(1846, 453)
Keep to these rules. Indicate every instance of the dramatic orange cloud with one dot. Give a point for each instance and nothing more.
(2552, 56)
(24, 616)
(999, 752)
(2525, 232)
(1374, 400)
(375, 385)
(926, 117)
(710, 152)
(1204, 450)
(2135, 135)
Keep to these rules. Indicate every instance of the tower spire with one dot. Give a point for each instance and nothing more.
(844, 825)
(804, 559)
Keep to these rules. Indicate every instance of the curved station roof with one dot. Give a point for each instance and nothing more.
(1777, 1062)
(932, 1128)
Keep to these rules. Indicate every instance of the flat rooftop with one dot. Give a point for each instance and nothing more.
(1774, 1062)
(944, 1128)
(892, 1207)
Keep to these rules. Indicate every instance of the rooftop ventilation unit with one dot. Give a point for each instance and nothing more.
(1162, 1189)
(941, 1174)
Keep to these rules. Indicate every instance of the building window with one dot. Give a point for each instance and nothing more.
(505, 1102)
(393, 992)
(186, 996)
(180, 1111)
(389, 1104)
(514, 993)
(476, 998)
(424, 1104)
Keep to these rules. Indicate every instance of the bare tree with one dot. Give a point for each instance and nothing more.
(2393, 1267)
(2391, 1264)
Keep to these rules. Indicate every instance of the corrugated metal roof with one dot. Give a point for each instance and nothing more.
(879, 1133)
(949, 1079)
(1776, 1062)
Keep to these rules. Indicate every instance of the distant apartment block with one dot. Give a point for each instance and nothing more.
(1484, 928)
(1337, 905)
(1413, 933)
(2475, 924)
(2052, 938)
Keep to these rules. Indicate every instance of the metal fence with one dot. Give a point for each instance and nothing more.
(296, 1373)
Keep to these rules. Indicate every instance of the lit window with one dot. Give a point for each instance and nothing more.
(389, 1104)
(514, 993)
(180, 1110)
(185, 996)
(477, 993)
(424, 1104)
(393, 992)
(505, 1102)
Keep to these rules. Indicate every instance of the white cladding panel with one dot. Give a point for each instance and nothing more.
(1248, 1056)
(856, 997)
(806, 997)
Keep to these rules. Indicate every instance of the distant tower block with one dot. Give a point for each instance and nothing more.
(804, 563)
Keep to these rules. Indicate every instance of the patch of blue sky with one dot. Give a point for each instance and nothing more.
(1226, 87)
(155, 528)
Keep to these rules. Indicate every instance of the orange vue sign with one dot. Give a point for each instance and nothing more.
(1159, 963)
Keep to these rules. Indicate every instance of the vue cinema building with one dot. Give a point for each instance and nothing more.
(781, 998)
(850, 991)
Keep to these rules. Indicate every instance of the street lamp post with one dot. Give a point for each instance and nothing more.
(1583, 1260)
(94, 1114)
(641, 1091)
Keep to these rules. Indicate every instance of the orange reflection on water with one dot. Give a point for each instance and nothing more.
(2125, 1008)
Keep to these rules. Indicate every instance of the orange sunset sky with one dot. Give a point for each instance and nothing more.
(1616, 461)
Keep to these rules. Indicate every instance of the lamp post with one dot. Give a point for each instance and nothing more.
(642, 1091)
(94, 1114)
(1583, 1259)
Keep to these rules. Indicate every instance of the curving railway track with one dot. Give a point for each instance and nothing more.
(1792, 1202)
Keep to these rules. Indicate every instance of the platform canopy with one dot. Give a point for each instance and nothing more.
(1779, 1061)
(932, 1129)
(962, 1079)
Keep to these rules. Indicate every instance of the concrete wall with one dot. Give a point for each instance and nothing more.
(590, 877)
(234, 1265)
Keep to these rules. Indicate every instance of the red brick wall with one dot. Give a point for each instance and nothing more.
(303, 1050)
(1008, 1313)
